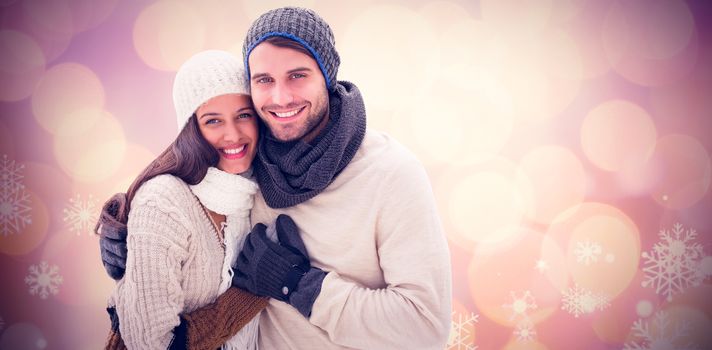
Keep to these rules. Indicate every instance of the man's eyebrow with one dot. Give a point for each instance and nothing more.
(293, 70)
(299, 69)
(259, 75)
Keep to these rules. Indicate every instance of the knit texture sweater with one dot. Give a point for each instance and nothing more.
(174, 265)
(376, 231)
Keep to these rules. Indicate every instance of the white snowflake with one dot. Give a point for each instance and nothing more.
(14, 211)
(587, 252)
(81, 215)
(541, 266)
(14, 200)
(674, 263)
(461, 336)
(11, 175)
(660, 333)
(520, 305)
(578, 301)
(525, 332)
(704, 269)
(602, 301)
(43, 279)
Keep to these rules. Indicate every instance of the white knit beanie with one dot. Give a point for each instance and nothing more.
(206, 75)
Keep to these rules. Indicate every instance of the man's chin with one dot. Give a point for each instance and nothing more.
(286, 136)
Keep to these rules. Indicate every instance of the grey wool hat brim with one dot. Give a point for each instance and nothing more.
(303, 26)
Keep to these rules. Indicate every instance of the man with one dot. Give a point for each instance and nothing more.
(368, 266)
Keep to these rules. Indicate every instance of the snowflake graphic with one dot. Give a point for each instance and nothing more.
(81, 215)
(14, 211)
(525, 332)
(541, 266)
(520, 305)
(659, 333)
(578, 301)
(587, 252)
(461, 332)
(704, 269)
(11, 175)
(674, 263)
(43, 279)
(14, 201)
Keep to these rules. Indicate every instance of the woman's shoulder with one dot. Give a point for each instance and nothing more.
(164, 205)
(165, 189)
(163, 184)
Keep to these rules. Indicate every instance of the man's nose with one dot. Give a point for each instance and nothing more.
(282, 95)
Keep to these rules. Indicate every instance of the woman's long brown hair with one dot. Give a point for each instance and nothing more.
(188, 158)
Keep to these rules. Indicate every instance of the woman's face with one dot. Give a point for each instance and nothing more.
(229, 124)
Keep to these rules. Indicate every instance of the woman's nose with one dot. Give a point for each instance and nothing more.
(232, 133)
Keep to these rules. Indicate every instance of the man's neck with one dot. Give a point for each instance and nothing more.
(310, 136)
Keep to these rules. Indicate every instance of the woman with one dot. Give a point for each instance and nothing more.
(187, 215)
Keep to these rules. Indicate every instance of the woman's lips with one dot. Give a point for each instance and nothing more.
(234, 152)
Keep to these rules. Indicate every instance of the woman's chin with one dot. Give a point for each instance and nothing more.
(233, 169)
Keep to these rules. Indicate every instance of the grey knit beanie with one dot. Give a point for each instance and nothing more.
(302, 25)
(205, 75)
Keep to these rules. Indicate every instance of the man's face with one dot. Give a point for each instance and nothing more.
(288, 91)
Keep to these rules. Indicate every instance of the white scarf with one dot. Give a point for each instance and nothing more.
(233, 196)
(225, 193)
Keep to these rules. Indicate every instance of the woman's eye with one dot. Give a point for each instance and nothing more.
(211, 121)
(244, 115)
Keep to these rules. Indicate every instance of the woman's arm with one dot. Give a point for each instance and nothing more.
(205, 328)
(150, 297)
(212, 325)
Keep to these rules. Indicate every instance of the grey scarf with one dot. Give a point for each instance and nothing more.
(292, 172)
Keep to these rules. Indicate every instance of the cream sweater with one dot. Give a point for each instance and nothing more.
(376, 230)
(175, 261)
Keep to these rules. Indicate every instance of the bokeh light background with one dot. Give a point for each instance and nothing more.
(567, 141)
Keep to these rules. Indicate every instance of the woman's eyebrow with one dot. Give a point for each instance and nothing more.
(211, 114)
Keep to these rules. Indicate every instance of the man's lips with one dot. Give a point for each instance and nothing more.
(287, 115)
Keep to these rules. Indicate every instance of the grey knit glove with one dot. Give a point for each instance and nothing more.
(112, 241)
(112, 245)
(279, 270)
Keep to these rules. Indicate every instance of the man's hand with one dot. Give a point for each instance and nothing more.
(267, 268)
(279, 270)
(112, 243)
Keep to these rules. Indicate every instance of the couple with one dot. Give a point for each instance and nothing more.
(366, 264)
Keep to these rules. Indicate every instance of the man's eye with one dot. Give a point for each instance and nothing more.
(298, 75)
(263, 80)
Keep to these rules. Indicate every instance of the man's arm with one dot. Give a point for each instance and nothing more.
(413, 311)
